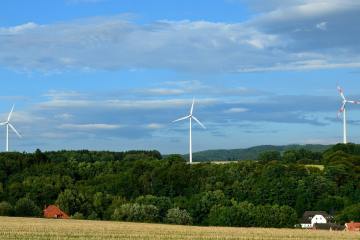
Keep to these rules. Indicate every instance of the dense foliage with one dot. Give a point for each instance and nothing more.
(273, 191)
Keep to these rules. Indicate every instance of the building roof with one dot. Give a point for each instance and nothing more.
(308, 215)
(53, 211)
(353, 226)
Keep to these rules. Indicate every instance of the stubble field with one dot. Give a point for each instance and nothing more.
(37, 228)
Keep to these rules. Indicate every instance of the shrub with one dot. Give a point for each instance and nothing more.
(78, 216)
(178, 216)
(162, 203)
(6, 209)
(134, 212)
(26, 208)
(350, 213)
(72, 201)
(221, 216)
(93, 216)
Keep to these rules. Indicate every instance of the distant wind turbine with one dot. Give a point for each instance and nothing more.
(8, 124)
(343, 111)
(190, 117)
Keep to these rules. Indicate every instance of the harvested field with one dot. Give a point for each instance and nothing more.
(39, 229)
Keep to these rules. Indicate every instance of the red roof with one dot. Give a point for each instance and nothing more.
(353, 226)
(53, 211)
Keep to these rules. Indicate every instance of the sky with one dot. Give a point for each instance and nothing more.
(114, 74)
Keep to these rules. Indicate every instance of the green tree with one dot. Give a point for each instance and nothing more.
(269, 156)
(134, 212)
(162, 203)
(26, 208)
(350, 213)
(222, 216)
(71, 201)
(178, 216)
(100, 203)
(201, 204)
(6, 209)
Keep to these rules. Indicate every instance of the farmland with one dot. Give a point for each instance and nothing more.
(38, 229)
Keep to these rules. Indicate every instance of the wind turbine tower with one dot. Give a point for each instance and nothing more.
(343, 111)
(8, 124)
(190, 117)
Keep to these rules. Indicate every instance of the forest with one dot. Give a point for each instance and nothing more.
(143, 186)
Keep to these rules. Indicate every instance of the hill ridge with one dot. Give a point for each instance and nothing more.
(250, 153)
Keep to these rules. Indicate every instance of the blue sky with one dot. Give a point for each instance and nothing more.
(113, 74)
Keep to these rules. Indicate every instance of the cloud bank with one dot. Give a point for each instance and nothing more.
(291, 35)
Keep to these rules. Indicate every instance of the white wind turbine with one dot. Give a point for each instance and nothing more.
(190, 117)
(8, 124)
(343, 111)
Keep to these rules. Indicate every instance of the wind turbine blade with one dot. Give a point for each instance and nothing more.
(13, 128)
(9, 116)
(197, 120)
(342, 108)
(180, 119)
(192, 106)
(341, 92)
(354, 102)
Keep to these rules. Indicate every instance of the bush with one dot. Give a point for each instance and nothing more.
(6, 209)
(178, 216)
(350, 213)
(134, 212)
(78, 216)
(93, 216)
(26, 208)
(162, 203)
(116, 203)
(245, 214)
(72, 201)
(221, 216)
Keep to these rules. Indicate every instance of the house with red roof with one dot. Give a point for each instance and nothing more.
(53, 211)
(352, 226)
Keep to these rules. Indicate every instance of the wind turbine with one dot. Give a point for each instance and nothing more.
(190, 117)
(8, 124)
(343, 111)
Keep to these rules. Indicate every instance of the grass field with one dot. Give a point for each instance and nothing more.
(37, 228)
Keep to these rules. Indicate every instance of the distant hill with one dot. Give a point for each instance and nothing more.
(249, 153)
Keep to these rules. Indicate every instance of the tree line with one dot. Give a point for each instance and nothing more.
(143, 186)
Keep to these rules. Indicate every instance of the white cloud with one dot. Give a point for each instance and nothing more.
(123, 104)
(55, 135)
(68, 103)
(304, 65)
(283, 34)
(162, 91)
(62, 94)
(236, 110)
(64, 116)
(91, 126)
(154, 126)
(19, 28)
(21, 117)
(183, 45)
(322, 26)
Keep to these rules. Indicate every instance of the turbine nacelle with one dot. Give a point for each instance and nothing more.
(191, 116)
(344, 101)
